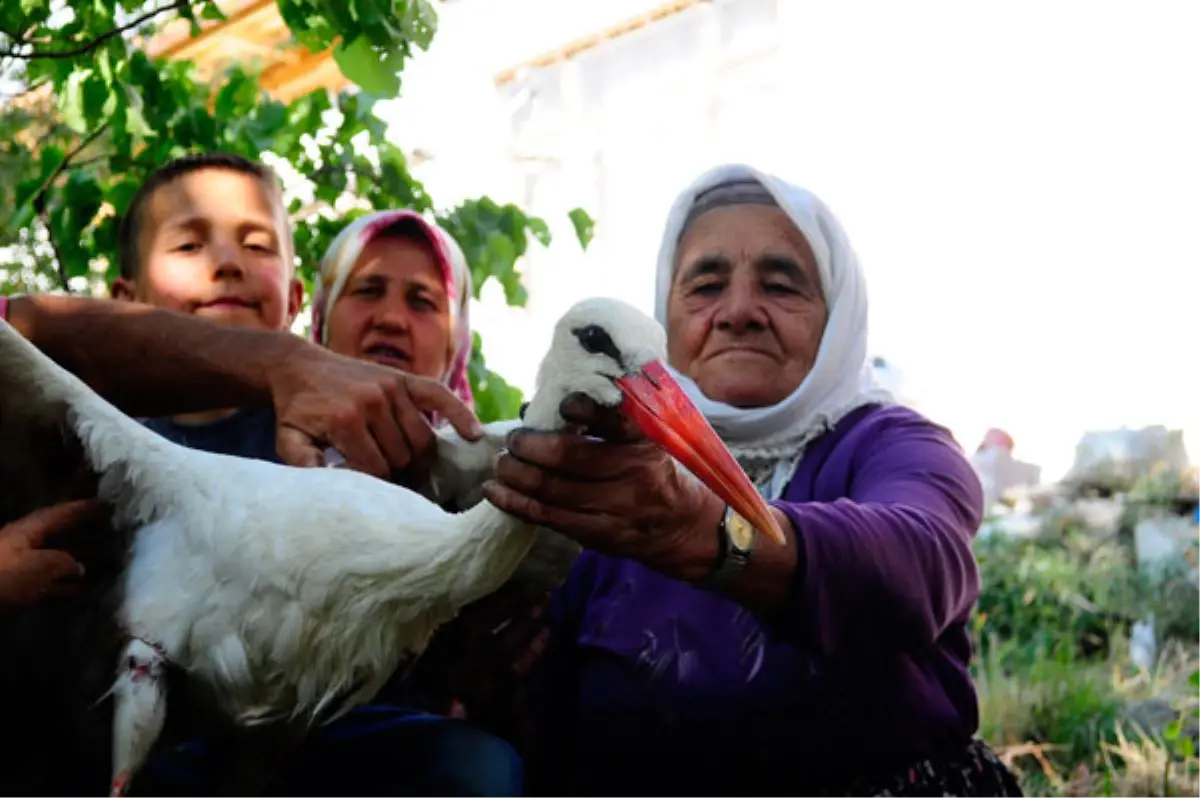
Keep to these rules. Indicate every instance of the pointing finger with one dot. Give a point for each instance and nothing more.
(50, 566)
(433, 397)
(41, 574)
(39, 525)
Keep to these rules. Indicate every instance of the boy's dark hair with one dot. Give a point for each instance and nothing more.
(129, 258)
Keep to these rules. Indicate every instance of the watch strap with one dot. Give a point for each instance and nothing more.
(731, 559)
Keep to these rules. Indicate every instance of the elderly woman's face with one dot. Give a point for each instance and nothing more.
(746, 311)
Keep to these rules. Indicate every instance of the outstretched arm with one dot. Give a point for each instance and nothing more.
(889, 566)
(150, 362)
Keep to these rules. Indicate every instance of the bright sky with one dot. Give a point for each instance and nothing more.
(1021, 181)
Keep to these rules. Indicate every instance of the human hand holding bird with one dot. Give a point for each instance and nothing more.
(369, 414)
(30, 568)
(612, 490)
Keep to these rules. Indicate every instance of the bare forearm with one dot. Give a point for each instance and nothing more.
(149, 361)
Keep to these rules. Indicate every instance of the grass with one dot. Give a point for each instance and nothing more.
(1060, 699)
(1065, 726)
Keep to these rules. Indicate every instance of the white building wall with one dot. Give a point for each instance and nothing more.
(618, 130)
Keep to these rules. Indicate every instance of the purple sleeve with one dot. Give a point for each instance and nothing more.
(890, 565)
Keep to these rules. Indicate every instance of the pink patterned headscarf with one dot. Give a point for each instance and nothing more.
(342, 256)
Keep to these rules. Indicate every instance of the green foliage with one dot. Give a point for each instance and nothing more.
(1176, 734)
(1063, 594)
(72, 155)
(1053, 598)
(1053, 670)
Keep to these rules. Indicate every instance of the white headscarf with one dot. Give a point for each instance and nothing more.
(770, 441)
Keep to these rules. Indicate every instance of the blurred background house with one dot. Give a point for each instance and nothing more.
(919, 138)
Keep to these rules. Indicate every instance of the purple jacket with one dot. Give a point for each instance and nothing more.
(653, 686)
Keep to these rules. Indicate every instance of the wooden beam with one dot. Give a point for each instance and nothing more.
(258, 28)
(591, 41)
(287, 81)
(254, 31)
(176, 39)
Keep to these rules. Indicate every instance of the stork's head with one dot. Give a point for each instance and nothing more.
(614, 354)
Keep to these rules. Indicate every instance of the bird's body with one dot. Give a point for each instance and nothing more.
(283, 595)
(231, 585)
(290, 594)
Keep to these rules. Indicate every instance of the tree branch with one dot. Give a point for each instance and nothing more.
(86, 48)
(39, 202)
(59, 263)
(39, 198)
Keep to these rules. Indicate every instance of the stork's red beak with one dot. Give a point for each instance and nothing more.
(657, 403)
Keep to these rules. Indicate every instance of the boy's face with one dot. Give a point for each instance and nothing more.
(212, 243)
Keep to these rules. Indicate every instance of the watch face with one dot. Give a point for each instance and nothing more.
(741, 533)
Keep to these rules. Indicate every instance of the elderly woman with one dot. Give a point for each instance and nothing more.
(690, 658)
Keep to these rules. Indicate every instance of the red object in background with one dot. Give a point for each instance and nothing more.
(997, 439)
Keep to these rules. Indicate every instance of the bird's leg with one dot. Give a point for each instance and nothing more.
(139, 710)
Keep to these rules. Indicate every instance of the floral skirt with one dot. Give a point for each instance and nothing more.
(975, 770)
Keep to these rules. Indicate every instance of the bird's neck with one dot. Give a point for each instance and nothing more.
(495, 542)
(494, 545)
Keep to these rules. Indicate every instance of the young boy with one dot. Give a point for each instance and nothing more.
(208, 235)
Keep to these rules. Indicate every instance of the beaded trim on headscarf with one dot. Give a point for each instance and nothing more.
(342, 256)
(734, 192)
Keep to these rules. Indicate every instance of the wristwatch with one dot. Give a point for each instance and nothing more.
(735, 542)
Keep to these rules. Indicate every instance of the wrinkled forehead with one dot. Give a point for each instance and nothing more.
(739, 242)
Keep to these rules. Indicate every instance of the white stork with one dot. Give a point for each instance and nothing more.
(291, 595)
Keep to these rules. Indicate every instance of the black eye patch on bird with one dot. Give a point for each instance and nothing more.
(596, 340)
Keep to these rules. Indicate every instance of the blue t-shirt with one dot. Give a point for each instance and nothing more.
(249, 432)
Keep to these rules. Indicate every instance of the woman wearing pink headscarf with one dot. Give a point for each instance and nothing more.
(395, 289)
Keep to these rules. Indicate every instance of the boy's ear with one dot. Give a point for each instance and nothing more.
(122, 289)
(295, 299)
